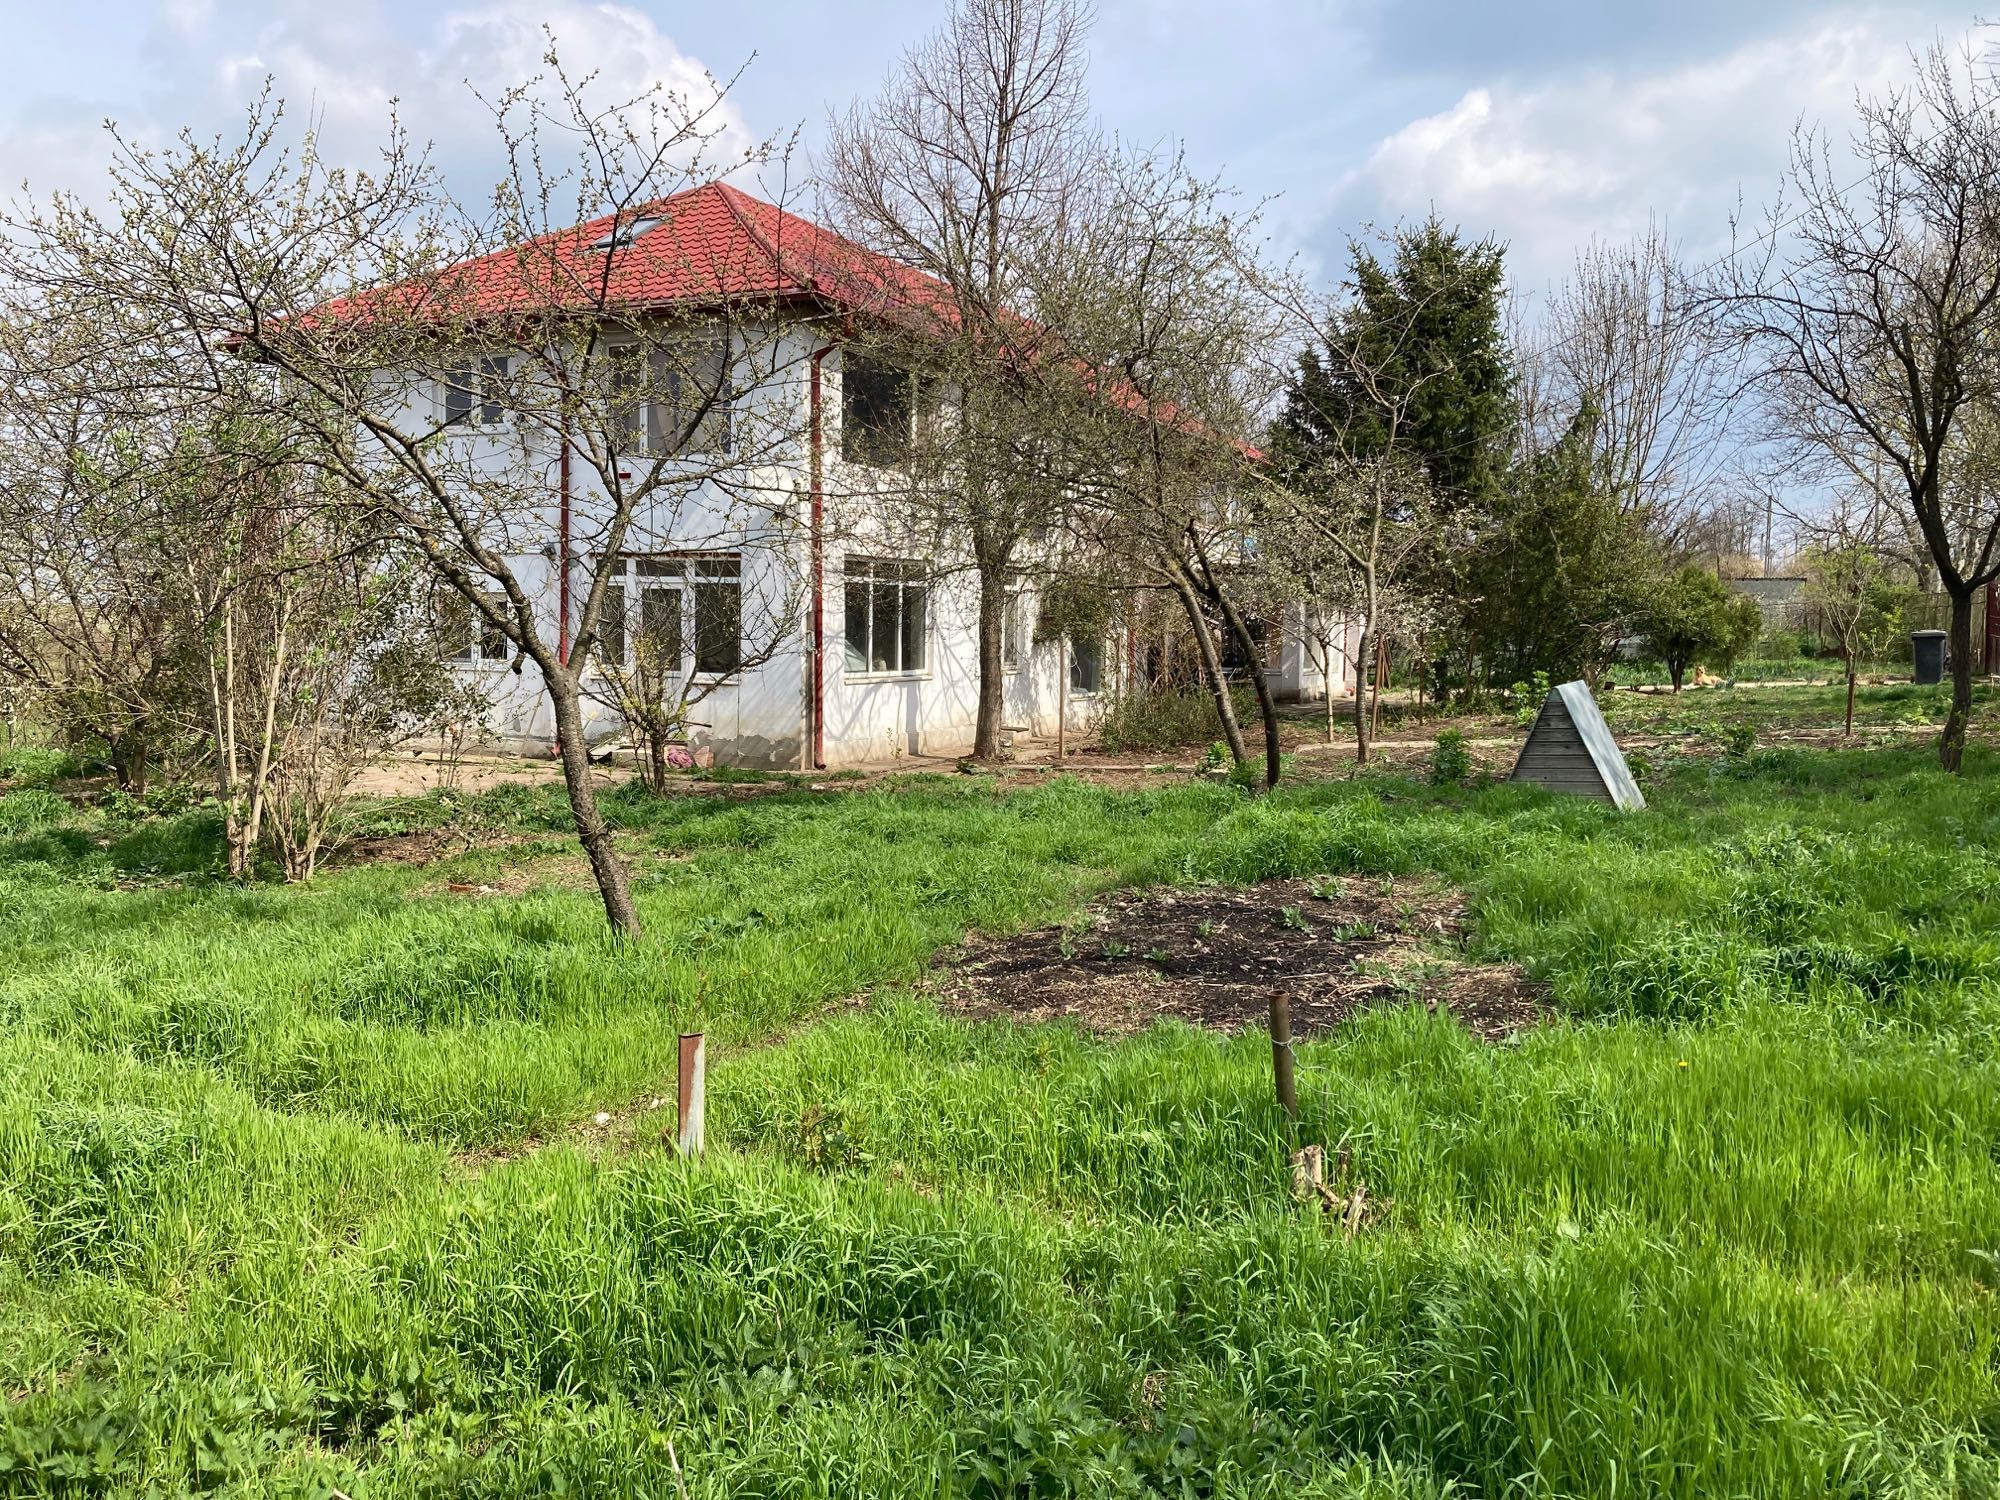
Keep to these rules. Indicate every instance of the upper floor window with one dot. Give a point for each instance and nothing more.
(878, 411)
(673, 613)
(887, 608)
(671, 399)
(475, 392)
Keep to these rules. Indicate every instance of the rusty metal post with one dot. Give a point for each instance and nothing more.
(1281, 1052)
(693, 1092)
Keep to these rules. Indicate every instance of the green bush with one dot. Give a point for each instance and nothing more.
(1451, 762)
(1162, 718)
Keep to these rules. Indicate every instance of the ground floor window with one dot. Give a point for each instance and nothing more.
(1013, 631)
(1086, 664)
(465, 633)
(1269, 638)
(1270, 634)
(673, 612)
(888, 603)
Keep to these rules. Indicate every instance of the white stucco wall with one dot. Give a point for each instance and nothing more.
(762, 717)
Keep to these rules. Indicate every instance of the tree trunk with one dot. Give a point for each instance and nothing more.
(1362, 648)
(992, 678)
(1381, 677)
(1951, 745)
(128, 760)
(1675, 669)
(1267, 706)
(1326, 670)
(614, 883)
(1211, 665)
(656, 759)
(1848, 731)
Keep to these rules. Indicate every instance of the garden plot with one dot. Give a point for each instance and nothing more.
(1213, 955)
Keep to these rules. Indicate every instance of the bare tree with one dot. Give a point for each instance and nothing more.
(1163, 332)
(965, 167)
(516, 400)
(88, 623)
(1629, 338)
(1874, 316)
(1846, 581)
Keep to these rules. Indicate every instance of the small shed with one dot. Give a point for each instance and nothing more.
(1570, 749)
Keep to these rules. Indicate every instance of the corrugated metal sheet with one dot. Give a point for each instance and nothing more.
(1570, 749)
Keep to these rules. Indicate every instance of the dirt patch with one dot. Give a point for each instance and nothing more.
(1212, 956)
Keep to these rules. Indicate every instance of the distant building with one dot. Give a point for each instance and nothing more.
(1781, 601)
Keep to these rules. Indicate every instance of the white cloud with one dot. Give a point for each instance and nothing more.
(353, 72)
(186, 17)
(348, 65)
(1598, 153)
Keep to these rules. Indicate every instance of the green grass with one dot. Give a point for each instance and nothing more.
(290, 1202)
(1766, 669)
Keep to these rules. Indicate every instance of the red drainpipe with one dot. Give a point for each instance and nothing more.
(816, 440)
(562, 553)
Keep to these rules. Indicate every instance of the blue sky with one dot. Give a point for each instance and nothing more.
(1541, 121)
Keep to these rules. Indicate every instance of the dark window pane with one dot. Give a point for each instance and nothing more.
(884, 640)
(667, 420)
(690, 399)
(624, 419)
(611, 627)
(1235, 661)
(1086, 665)
(1012, 616)
(492, 639)
(458, 395)
(915, 598)
(660, 629)
(492, 391)
(875, 412)
(718, 624)
(857, 621)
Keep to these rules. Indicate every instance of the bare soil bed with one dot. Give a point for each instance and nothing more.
(1213, 955)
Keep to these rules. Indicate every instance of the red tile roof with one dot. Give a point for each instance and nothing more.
(713, 244)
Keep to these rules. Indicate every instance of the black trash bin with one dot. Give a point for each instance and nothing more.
(1927, 652)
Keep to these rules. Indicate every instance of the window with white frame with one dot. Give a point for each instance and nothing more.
(888, 606)
(673, 613)
(1270, 633)
(474, 393)
(1013, 631)
(878, 411)
(1086, 664)
(465, 634)
(671, 399)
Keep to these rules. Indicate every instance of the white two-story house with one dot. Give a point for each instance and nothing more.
(821, 626)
